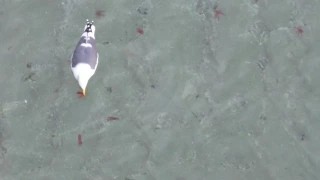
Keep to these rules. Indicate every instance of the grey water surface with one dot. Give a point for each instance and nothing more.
(211, 90)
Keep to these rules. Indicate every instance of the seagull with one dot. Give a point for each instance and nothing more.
(85, 58)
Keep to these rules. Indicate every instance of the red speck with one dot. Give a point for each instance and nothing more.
(217, 14)
(112, 118)
(299, 30)
(140, 31)
(80, 94)
(79, 140)
(99, 13)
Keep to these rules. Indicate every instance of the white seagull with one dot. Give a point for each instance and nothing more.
(85, 58)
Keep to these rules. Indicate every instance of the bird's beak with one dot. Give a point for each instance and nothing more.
(84, 92)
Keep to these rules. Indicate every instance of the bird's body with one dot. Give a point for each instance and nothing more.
(85, 58)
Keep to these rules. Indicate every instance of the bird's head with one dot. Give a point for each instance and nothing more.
(90, 29)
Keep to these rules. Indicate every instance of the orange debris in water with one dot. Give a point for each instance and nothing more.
(112, 118)
(140, 31)
(79, 140)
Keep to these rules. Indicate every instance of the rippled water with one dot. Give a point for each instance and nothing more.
(184, 90)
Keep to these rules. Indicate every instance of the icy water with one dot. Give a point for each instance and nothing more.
(184, 90)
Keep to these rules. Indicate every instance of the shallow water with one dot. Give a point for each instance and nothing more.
(197, 97)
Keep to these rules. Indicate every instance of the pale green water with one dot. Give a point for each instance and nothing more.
(192, 101)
